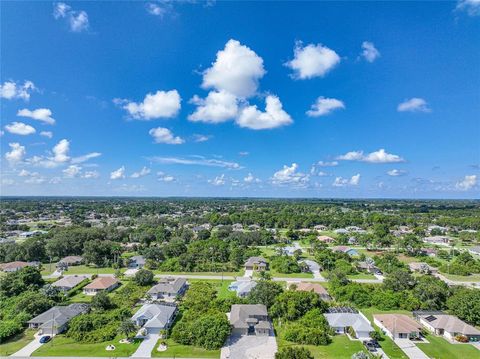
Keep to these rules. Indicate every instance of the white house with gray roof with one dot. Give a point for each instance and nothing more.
(55, 320)
(155, 317)
(341, 321)
(69, 282)
(168, 289)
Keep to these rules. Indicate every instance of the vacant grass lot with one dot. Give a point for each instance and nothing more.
(16, 343)
(83, 269)
(231, 274)
(340, 348)
(221, 287)
(439, 348)
(274, 273)
(183, 351)
(63, 346)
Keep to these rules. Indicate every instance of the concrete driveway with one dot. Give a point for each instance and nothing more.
(249, 347)
(314, 268)
(28, 349)
(248, 273)
(410, 349)
(145, 348)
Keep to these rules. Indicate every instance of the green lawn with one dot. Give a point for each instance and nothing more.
(439, 348)
(16, 343)
(231, 274)
(80, 298)
(183, 351)
(463, 278)
(340, 348)
(361, 276)
(222, 288)
(83, 269)
(63, 346)
(274, 273)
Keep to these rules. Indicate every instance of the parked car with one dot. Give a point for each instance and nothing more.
(45, 339)
(375, 342)
(370, 346)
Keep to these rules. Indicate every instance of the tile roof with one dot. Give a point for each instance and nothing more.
(102, 283)
(398, 323)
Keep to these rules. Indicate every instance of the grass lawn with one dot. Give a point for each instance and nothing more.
(16, 343)
(63, 346)
(80, 298)
(183, 351)
(231, 274)
(83, 269)
(340, 348)
(274, 273)
(463, 278)
(361, 276)
(439, 348)
(222, 288)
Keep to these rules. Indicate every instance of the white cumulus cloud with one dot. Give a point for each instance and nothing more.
(85, 158)
(471, 7)
(237, 70)
(161, 104)
(342, 182)
(217, 107)
(16, 154)
(164, 135)
(414, 104)
(273, 117)
(218, 181)
(72, 171)
(380, 156)
(91, 174)
(40, 114)
(60, 151)
(118, 174)
(48, 134)
(142, 173)
(369, 52)
(312, 61)
(467, 183)
(11, 90)
(77, 20)
(396, 173)
(20, 128)
(290, 175)
(325, 106)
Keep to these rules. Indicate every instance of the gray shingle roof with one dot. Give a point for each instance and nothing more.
(168, 285)
(59, 314)
(240, 313)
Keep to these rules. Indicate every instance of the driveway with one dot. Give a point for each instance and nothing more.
(131, 272)
(145, 348)
(314, 268)
(248, 273)
(28, 349)
(249, 347)
(410, 349)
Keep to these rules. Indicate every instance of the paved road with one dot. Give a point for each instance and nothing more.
(249, 347)
(454, 282)
(410, 349)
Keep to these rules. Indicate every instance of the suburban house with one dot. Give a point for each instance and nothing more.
(431, 252)
(14, 266)
(439, 240)
(100, 284)
(69, 282)
(449, 326)
(367, 267)
(422, 267)
(312, 287)
(342, 318)
(325, 239)
(398, 326)
(320, 227)
(341, 231)
(242, 287)
(475, 250)
(237, 227)
(352, 252)
(136, 262)
(55, 320)
(168, 289)
(256, 264)
(250, 319)
(70, 261)
(155, 317)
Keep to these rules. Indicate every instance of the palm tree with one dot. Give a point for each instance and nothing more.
(127, 327)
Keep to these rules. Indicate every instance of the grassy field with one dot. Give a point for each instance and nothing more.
(80, 298)
(83, 269)
(340, 348)
(221, 287)
(16, 343)
(463, 278)
(231, 274)
(274, 273)
(439, 348)
(63, 346)
(183, 351)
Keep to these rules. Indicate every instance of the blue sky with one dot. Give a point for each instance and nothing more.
(241, 99)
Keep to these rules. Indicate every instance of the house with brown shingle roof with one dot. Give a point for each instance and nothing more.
(312, 287)
(70, 261)
(398, 326)
(101, 284)
(14, 266)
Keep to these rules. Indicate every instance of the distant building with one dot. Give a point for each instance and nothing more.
(256, 263)
(325, 239)
(70, 261)
(137, 262)
(55, 320)
(422, 267)
(15, 266)
(438, 240)
(243, 287)
(101, 284)
(250, 319)
(398, 326)
(69, 282)
(320, 227)
(312, 287)
(168, 289)
(352, 252)
(475, 250)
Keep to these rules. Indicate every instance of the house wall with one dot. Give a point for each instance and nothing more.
(239, 331)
